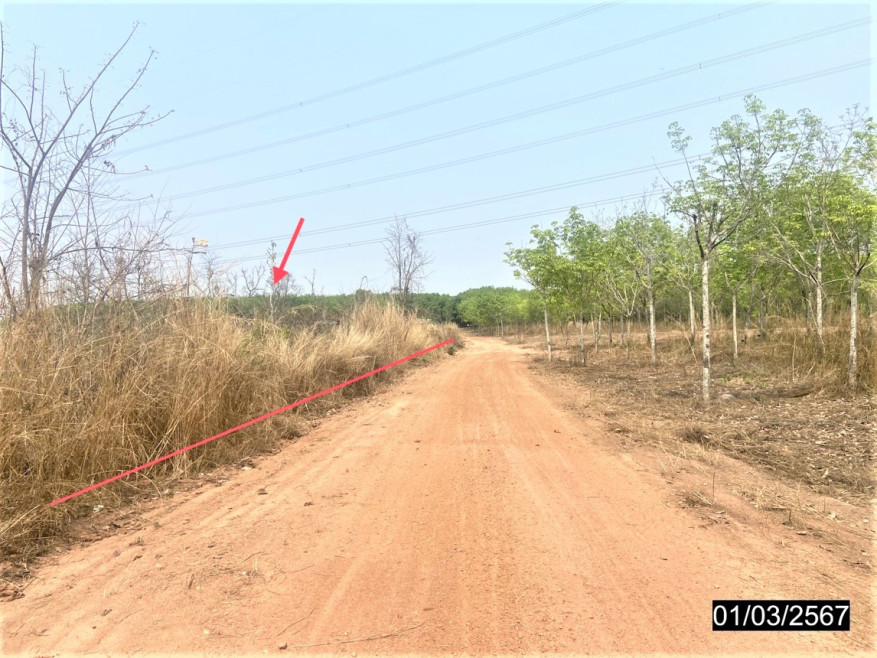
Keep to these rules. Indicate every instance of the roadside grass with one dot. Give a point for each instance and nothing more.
(81, 402)
(787, 440)
(781, 405)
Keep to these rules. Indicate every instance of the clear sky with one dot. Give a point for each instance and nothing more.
(322, 76)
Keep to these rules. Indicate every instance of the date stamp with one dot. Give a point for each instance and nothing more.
(781, 615)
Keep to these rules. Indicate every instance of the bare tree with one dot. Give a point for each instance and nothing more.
(312, 282)
(407, 259)
(254, 279)
(217, 278)
(59, 157)
(231, 282)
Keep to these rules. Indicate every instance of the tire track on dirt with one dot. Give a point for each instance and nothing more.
(460, 511)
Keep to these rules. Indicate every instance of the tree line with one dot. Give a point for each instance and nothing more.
(779, 213)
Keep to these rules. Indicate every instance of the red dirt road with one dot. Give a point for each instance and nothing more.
(461, 511)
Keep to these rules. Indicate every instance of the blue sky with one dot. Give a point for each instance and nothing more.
(224, 63)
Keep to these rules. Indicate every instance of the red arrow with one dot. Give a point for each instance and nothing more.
(280, 272)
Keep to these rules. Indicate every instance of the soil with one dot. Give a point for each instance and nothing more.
(800, 429)
(475, 508)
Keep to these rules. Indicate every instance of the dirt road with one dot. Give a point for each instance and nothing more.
(463, 510)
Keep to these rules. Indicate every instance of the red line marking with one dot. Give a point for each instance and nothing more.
(280, 272)
(251, 422)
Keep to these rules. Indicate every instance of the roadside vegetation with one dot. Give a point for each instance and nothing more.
(81, 402)
(117, 347)
(777, 406)
(752, 278)
(733, 310)
(773, 228)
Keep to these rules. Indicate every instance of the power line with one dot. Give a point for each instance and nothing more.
(383, 78)
(478, 202)
(448, 229)
(383, 36)
(529, 145)
(504, 219)
(224, 45)
(608, 91)
(457, 95)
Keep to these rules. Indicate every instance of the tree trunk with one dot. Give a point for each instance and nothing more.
(762, 313)
(820, 336)
(610, 329)
(547, 331)
(810, 315)
(854, 326)
(705, 285)
(582, 356)
(871, 314)
(734, 322)
(692, 327)
(653, 339)
(747, 320)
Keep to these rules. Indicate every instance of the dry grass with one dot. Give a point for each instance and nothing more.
(80, 403)
(782, 406)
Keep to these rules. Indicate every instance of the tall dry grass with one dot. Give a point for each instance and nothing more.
(82, 402)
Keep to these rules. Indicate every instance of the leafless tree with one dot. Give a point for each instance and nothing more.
(254, 279)
(217, 279)
(407, 259)
(59, 157)
(312, 282)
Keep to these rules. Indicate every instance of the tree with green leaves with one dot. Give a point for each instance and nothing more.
(797, 214)
(584, 251)
(682, 267)
(488, 306)
(618, 278)
(725, 189)
(649, 236)
(540, 266)
(741, 257)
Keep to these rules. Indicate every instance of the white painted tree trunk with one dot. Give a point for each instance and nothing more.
(854, 328)
(734, 321)
(705, 285)
(547, 331)
(653, 339)
(692, 327)
(820, 335)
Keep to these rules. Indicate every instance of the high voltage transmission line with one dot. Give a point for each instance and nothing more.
(496, 153)
(384, 78)
(447, 229)
(809, 36)
(478, 202)
(462, 94)
(503, 219)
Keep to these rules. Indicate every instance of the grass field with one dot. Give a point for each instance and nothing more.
(81, 402)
